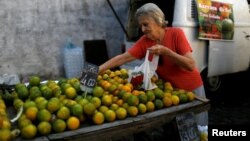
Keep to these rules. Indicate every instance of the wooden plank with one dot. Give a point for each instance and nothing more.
(123, 128)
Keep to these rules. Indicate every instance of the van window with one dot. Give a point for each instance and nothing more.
(194, 12)
(248, 1)
(134, 33)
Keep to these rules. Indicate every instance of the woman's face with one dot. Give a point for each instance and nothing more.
(149, 27)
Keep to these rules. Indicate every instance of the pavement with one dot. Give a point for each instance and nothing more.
(231, 104)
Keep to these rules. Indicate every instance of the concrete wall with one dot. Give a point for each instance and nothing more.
(33, 32)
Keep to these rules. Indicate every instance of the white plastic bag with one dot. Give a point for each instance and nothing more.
(141, 75)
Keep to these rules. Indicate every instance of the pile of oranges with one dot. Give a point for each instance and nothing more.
(58, 106)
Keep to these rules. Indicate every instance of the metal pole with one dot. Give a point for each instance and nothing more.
(112, 8)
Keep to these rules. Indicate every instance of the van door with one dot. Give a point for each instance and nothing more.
(232, 56)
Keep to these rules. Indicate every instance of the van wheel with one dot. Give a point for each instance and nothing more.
(212, 85)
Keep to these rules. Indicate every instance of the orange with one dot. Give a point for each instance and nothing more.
(51, 83)
(175, 99)
(98, 118)
(158, 104)
(6, 123)
(23, 122)
(44, 128)
(150, 106)
(183, 98)
(132, 111)
(63, 113)
(112, 88)
(142, 108)
(190, 96)
(5, 134)
(70, 92)
(73, 123)
(119, 102)
(133, 100)
(126, 88)
(34, 81)
(56, 90)
(76, 110)
(42, 104)
(31, 113)
(168, 86)
(34, 92)
(124, 73)
(39, 99)
(158, 93)
(107, 100)
(167, 101)
(69, 103)
(3, 113)
(83, 101)
(59, 125)
(121, 113)
(136, 92)
(53, 104)
(22, 92)
(29, 131)
(44, 115)
(130, 85)
(150, 94)
(103, 109)
(110, 115)
(112, 74)
(106, 85)
(126, 96)
(47, 92)
(167, 94)
(143, 98)
(121, 93)
(113, 107)
(98, 91)
(96, 101)
(17, 104)
(89, 109)
(105, 76)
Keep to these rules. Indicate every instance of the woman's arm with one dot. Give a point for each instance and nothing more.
(116, 61)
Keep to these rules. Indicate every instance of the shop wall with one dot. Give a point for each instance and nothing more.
(33, 32)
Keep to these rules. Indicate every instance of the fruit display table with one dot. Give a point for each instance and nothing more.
(123, 128)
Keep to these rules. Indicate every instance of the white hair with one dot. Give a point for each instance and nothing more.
(152, 10)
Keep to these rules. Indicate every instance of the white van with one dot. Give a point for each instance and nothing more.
(214, 58)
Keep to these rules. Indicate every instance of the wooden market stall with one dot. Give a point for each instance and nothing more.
(122, 128)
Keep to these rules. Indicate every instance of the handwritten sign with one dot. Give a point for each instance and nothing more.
(187, 127)
(89, 76)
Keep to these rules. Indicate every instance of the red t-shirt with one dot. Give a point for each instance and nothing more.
(175, 40)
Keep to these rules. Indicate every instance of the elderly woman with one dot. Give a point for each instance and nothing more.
(176, 63)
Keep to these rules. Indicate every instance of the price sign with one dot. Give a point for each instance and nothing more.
(89, 76)
(187, 127)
